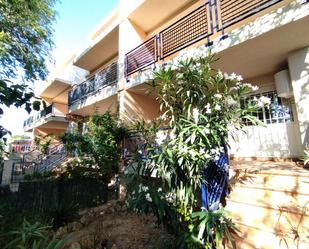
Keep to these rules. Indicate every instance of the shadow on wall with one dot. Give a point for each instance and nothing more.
(139, 107)
(275, 140)
(304, 108)
(271, 207)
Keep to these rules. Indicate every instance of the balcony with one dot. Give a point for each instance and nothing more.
(49, 118)
(211, 21)
(95, 84)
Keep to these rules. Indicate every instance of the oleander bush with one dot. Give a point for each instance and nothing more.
(200, 107)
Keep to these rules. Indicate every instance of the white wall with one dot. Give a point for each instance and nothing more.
(273, 140)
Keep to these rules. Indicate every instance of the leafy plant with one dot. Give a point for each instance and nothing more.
(98, 148)
(34, 236)
(207, 229)
(64, 214)
(38, 175)
(43, 144)
(200, 106)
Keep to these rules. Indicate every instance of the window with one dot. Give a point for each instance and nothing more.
(279, 110)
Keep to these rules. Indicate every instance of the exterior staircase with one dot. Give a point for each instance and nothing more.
(36, 162)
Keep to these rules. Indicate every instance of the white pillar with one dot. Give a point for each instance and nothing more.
(299, 71)
(7, 172)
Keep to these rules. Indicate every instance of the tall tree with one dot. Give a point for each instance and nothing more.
(25, 43)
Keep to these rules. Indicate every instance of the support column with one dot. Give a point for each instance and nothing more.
(122, 185)
(299, 71)
(7, 172)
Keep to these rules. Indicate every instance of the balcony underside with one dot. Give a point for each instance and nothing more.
(99, 53)
(57, 91)
(150, 14)
(44, 131)
(97, 106)
(266, 53)
(50, 122)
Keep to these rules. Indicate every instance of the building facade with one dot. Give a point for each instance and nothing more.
(266, 42)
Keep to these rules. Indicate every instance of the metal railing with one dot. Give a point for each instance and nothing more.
(36, 162)
(188, 30)
(30, 121)
(195, 26)
(103, 78)
(233, 11)
(141, 56)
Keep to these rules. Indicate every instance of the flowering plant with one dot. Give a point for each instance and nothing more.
(200, 105)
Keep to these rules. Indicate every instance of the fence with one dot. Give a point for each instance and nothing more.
(42, 196)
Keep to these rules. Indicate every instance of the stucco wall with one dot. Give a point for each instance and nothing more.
(270, 207)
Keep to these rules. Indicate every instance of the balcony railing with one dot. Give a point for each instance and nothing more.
(30, 121)
(197, 25)
(188, 30)
(103, 78)
(142, 56)
(233, 11)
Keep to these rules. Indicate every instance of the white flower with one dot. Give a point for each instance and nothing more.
(159, 189)
(230, 101)
(196, 114)
(207, 156)
(217, 107)
(208, 109)
(140, 188)
(183, 150)
(202, 151)
(145, 188)
(170, 197)
(172, 135)
(239, 78)
(215, 151)
(264, 101)
(206, 131)
(255, 88)
(220, 73)
(160, 137)
(148, 198)
(221, 219)
(233, 76)
(218, 96)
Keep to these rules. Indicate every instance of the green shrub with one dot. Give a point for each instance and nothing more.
(33, 236)
(63, 215)
(200, 106)
(98, 148)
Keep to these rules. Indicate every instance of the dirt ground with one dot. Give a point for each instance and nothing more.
(111, 226)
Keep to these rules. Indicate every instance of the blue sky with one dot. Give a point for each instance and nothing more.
(76, 19)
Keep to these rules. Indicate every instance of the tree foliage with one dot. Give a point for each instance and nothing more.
(25, 43)
(98, 147)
